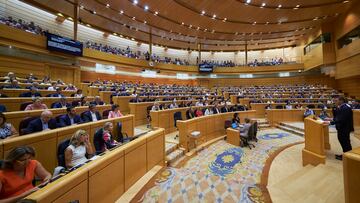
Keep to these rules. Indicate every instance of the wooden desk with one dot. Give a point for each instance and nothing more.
(46, 142)
(16, 117)
(233, 136)
(17, 92)
(210, 127)
(351, 168)
(356, 117)
(14, 103)
(261, 111)
(109, 176)
(316, 141)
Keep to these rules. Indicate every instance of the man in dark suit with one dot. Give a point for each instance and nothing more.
(61, 104)
(216, 109)
(57, 93)
(97, 101)
(32, 93)
(234, 108)
(190, 113)
(70, 118)
(45, 122)
(135, 100)
(91, 114)
(343, 121)
(225, 109)
(2, 108)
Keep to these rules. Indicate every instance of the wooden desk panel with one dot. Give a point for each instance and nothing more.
(77, 193)
(135, 165)
(233, 136)
(17, 92)
(276, 116)
(155, 151)
(356, 117)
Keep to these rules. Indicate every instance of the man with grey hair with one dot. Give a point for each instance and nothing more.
(45, 122)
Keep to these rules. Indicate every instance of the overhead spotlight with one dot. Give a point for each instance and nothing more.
(156, 13)
(263, 4)
(267, 23)
(248, 1)
(214, 16)
(146, 7)
(145, 22)
(224, 19)
(279, 6)
(198, 28)
(202, 12)
(107, 5)
(121, 12)
(182, 23)
(81, 7)
(254, 23)
(132, 39)
(93, 12)
(114, 34)
(133, 18)
(345, 1)
(135, 2)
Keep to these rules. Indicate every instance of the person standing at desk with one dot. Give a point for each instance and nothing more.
(343, 120)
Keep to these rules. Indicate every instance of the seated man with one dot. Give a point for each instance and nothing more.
(52, 87)
(103, 139)
(97, 101)
(57, 93)
(216, 109)
(190, 113)
(91, 114)
(225, 109)
(36, 105)
(33, 92)
(234, 108)
(156, 107)
(45, 122)
(136, 99)
(308, 112)
(14, 85)
(34, 85)
(60, 104)
(70, 118)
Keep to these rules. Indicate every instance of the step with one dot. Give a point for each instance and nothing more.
(293, 176)
(291, 126)
(173, 156)
(291, 130)
(267, 125)
(170, 147)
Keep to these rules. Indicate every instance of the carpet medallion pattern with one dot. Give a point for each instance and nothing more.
(221, 173)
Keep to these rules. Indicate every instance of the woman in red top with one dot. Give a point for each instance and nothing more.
(18, 172)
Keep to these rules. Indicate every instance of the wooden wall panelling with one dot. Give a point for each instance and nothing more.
(349, 85)
(348, 68)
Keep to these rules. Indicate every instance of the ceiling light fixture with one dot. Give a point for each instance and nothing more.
(107, 5)
(345, 2)
(146, 7)
(279, 6)
(202, 12)
(248, 1)
(145, 22)
(156, 13)
(263, 4)
(121, 12)
(135, 2)
(214, 16)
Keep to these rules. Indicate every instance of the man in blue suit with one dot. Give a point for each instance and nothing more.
(61, 104)
(58, 93)
(91, 114)
(45, 122)
(70, 118)
(343, 120)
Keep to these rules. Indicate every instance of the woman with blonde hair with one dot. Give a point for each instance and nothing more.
(75, 153)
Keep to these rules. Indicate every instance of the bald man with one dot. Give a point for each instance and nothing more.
(45, 122)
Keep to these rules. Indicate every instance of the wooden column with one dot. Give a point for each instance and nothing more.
(246, 54)
(199, 50)
(76, 17)
(150, 42)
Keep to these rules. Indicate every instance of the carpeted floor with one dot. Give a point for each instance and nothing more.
(221, 173)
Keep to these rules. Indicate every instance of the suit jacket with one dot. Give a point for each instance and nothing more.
(100, 103)
(57, 95)
(134, 100)
(36, 126)
(58, 105)
(12, 87)
(216, 110)
(190, 114)
(225, 109)
(64, 120)
(29, 94)
(343, 118)
(86, 116)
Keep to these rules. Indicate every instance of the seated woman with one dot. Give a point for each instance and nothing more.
(198, 113)
(103, 139)
(235, 119)
(18, 172)
(36, 105)
(75, 153)
(6, 129)
(115, 113)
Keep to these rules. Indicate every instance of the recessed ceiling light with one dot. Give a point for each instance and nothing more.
(135, 1)
(146, 7)
(214, 16)
(345, 2)
(156, 12)
(279, 6)
(248, 1)
(121, 12)
(114, 34)
(132, 39)
(182, 23)
(81, 7)
(94, 12)
(267, 23)
(145, 22)
(297, 6)
(133, 18)
(121, 36)
(202, 12)
(263, 4)
(107, 5)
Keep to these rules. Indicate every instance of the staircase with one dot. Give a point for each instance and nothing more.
(322, 183)
(291, 129)
(263, 123)
(173, 153)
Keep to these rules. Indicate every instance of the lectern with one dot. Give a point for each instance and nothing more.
(316, 141)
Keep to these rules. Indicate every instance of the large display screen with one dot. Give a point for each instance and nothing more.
(63, 44)
(205, 68)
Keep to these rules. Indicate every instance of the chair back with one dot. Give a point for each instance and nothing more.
(61, 152)
(24, 124)
(105, 113)
(24, 105)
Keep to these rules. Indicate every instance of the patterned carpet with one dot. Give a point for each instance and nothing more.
(221, 173)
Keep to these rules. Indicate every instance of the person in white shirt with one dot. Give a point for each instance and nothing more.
(52, 87)
(208, 111)
(199, 103)
(75, 153)
(174, 105)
